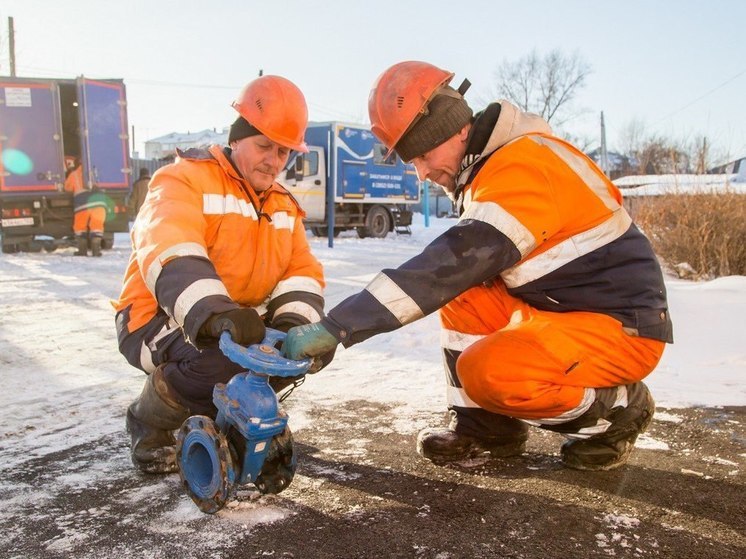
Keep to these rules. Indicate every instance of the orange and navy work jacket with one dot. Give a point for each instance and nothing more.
(536, 214)
(205, 242)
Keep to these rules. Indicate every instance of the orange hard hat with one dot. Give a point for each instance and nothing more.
(276, 107)
(400, 96)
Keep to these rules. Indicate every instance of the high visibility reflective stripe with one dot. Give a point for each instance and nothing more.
(587, 432)
(149, 347)
(391, 296)
(91, 205)
(581, 167)
(281, 220)
(457, 397)
(602, 425)
(568, 250)
(146, 359)
(457, 341)
(495, 215)
(217, 204)
(182, 249)
(195, 293)
(589, 396)
(298, 307)
(297, 283)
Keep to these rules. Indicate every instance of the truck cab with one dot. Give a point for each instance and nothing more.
(371, 193)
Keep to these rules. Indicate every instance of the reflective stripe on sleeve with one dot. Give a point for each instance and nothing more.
(457, 341)
(182, 249)
(297, 283)
(393, 297)
(568, 250)
(299, 307)
(195, 293)
(495, 215)
(581, 167)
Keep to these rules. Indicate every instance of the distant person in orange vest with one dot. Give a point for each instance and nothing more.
(90, 212)
(139, 191)
(552, 303)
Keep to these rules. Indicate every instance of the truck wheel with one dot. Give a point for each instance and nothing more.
(377, 223)
(107, 242)
(31, 246)
(321, 231)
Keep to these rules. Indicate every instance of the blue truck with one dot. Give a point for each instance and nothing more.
(372, 194)
(45, 124)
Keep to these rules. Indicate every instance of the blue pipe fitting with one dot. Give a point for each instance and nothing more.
(215, 456)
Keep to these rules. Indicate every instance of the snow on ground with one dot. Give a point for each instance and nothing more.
(58, 348)
(66, 385)
(656, 185)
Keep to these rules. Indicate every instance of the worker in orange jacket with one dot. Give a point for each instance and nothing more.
(217, 245)
(553, 305)
(90, 208)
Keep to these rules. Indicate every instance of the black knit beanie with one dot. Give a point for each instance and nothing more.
(241, 129)
(447, 113)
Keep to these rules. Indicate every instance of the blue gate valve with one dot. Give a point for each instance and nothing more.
(216, 456)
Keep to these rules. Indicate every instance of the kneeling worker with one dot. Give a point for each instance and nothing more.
(218, 245)
(553, 305)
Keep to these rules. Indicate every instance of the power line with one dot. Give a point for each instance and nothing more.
(157, 83)
(713, 90)
(177, 84)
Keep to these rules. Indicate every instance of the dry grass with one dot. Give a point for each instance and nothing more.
(705, 231)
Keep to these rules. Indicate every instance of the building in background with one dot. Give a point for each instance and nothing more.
(737, 167)
(164, 147)
(619, 165)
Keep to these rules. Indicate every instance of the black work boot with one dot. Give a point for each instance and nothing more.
(151, 421)
(443, 445)
(96, 246)
(82, 241)
(611, 449)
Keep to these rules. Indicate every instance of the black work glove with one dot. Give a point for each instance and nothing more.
(244, 324)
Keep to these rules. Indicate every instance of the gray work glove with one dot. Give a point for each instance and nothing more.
(311, 340)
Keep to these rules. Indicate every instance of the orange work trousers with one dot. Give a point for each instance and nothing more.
(534, 364)
(89, 219)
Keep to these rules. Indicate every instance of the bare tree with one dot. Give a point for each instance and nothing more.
(632, 136)
(650, 154)
(545, 85)
(704, 154)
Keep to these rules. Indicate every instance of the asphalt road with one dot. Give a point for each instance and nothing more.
(362, 492)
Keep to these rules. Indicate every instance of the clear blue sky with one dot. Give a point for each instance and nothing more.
(677, 66)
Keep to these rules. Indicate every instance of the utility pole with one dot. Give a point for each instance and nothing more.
(12, 47)
(604, 155)
(702, 163)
